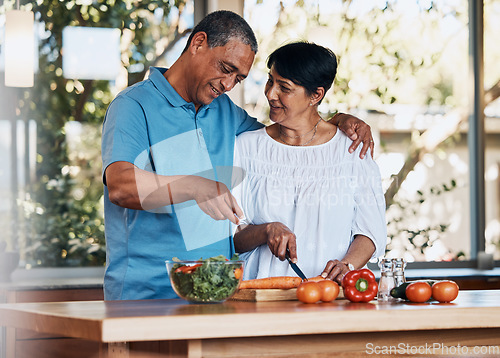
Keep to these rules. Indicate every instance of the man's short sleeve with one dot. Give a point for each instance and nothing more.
(248, 122)
(124, 134)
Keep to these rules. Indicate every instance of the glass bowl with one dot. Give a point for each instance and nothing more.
(205, 281)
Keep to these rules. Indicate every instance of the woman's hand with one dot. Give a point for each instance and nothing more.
(335, 270)
(279, 239)
(357, 130)
(358, 254)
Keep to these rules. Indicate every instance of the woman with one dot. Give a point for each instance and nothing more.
(303, 191)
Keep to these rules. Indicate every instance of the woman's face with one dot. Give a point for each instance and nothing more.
(287, 100)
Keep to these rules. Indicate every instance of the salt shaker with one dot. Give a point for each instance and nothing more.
(386, 283)
(398, 267)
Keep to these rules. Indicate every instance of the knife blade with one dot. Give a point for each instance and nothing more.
(294, 267)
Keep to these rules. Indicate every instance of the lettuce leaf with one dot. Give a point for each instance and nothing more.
(210, 282)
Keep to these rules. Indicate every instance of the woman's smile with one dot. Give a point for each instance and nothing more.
(276, 112)
(274, 107)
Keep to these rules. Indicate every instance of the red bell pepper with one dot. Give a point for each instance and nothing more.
(360, 285)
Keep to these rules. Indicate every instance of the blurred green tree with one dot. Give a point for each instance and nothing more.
(390, 53)
(64, 209)
(383, 58)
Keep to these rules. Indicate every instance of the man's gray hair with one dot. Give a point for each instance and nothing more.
(222, 26)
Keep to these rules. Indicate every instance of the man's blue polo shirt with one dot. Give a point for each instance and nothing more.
(150, 125)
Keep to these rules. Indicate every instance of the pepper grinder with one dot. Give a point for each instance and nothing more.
(386, 283)
(399, 266)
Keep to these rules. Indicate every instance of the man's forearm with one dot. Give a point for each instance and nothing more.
(159, 190)
(134, 188)
(138, 189)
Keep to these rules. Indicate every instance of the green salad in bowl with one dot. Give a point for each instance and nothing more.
(207, 280)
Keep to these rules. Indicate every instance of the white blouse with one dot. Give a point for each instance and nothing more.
(322, 193)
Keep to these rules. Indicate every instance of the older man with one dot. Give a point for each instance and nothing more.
(167, 150)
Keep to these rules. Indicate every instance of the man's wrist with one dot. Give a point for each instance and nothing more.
(336, 119)
(190, 186)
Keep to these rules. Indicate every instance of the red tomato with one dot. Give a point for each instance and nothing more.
(418, 291)
(445, 291)
(309, 292)
(329, 290)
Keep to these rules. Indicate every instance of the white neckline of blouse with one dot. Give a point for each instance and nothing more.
(300, 147)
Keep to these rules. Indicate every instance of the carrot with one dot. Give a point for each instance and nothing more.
(281, 282)
(316, 278)
(238, 272)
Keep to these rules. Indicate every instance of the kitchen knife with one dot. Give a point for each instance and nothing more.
(294, 267)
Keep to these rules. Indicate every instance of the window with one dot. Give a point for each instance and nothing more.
(492, 127)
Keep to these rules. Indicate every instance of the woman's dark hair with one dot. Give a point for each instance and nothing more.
(222, 26)
(305, 64)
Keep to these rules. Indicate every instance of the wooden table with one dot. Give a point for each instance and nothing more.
(277, 329)
(80, 284)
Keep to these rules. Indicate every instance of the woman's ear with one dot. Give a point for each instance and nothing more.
(198, 41)
(317, 96)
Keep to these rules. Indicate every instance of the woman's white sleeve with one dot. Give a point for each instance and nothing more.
(369, 218)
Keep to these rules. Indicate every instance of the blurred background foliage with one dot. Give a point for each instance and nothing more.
(386, 58)
(64, 209)
(403, 65)
(388, 51)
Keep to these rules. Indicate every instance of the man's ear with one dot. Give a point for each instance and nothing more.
(317, 96)
(198, 41)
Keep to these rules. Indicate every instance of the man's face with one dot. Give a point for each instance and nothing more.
(217, 70)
